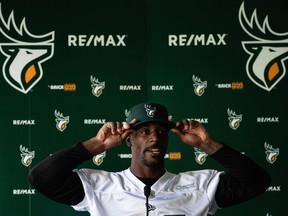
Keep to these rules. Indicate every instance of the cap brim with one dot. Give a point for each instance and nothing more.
(167, 124)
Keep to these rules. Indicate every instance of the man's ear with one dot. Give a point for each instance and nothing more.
(128, 141)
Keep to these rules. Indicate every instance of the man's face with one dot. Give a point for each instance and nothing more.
(149, 144)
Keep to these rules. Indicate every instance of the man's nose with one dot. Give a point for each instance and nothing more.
(154, 136)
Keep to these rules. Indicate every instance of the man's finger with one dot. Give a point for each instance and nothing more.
(132, 122)
(125, 125)
(194, 123)
(125, 134)
(109, 127)
(119, 127)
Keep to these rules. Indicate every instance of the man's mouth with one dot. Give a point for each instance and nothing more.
(155, 150)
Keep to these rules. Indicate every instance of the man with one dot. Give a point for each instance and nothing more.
(146, 187)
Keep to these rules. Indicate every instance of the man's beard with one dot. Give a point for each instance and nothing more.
(154, 163)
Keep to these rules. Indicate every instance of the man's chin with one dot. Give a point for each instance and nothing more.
(154, 162)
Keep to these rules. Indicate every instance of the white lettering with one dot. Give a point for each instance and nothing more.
(110, 41)
(56, 87)
(89, 40)
(82, 40)
(201, 120)
(274, 188)
(199, 38)
(182, 40)
(96, 40)
(172, 40)
(162, 88)
(94, 121)
(267, 119)
(190, 40)
(99, 39)
(130, 87)
(23, 191)
(221, 39)
(227, 85)
(72, 40)
(210, 40)
(196, 40)
(23, 122)
(121, 40)
(122, 156)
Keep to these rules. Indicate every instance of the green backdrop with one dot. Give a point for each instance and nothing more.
(71, 66)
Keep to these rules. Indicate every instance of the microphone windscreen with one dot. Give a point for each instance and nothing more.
(147, 190)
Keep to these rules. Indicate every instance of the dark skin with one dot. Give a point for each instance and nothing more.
(148, 146)
(149, 143)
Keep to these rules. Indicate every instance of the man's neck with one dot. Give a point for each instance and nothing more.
(147, 172)
(148, 181)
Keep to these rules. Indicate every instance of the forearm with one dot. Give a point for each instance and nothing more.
(54, 176)
(94, 146)
(211, 146)
(243, 180)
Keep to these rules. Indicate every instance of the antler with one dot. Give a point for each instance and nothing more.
(58, 114)
(259, 32)
(195, 79)
(198, 80)
(22, 33)
(24, 150)
(94, 80)
(269, 147)
(232, 113)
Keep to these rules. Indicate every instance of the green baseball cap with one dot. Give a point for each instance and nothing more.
(149, 112)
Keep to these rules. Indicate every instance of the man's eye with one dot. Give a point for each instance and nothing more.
(162, 131)
(145, 132)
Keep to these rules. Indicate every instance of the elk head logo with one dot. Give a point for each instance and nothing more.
(200, 156)
(26, 156)
(61, 121)
(234, 120)
(99, 158)
(271, 153)
(150, 110)
(97, 87)
(268, 51)
(24, 53)
(199, 86)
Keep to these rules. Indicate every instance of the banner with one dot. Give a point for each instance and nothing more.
(67, 67)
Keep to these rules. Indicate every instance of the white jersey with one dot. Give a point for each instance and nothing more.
(121, 193)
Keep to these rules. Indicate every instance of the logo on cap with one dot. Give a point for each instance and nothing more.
(150, 110)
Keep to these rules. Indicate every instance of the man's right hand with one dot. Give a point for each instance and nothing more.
(111, 134)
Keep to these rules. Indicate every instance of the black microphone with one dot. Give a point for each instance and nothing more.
(147, 192)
